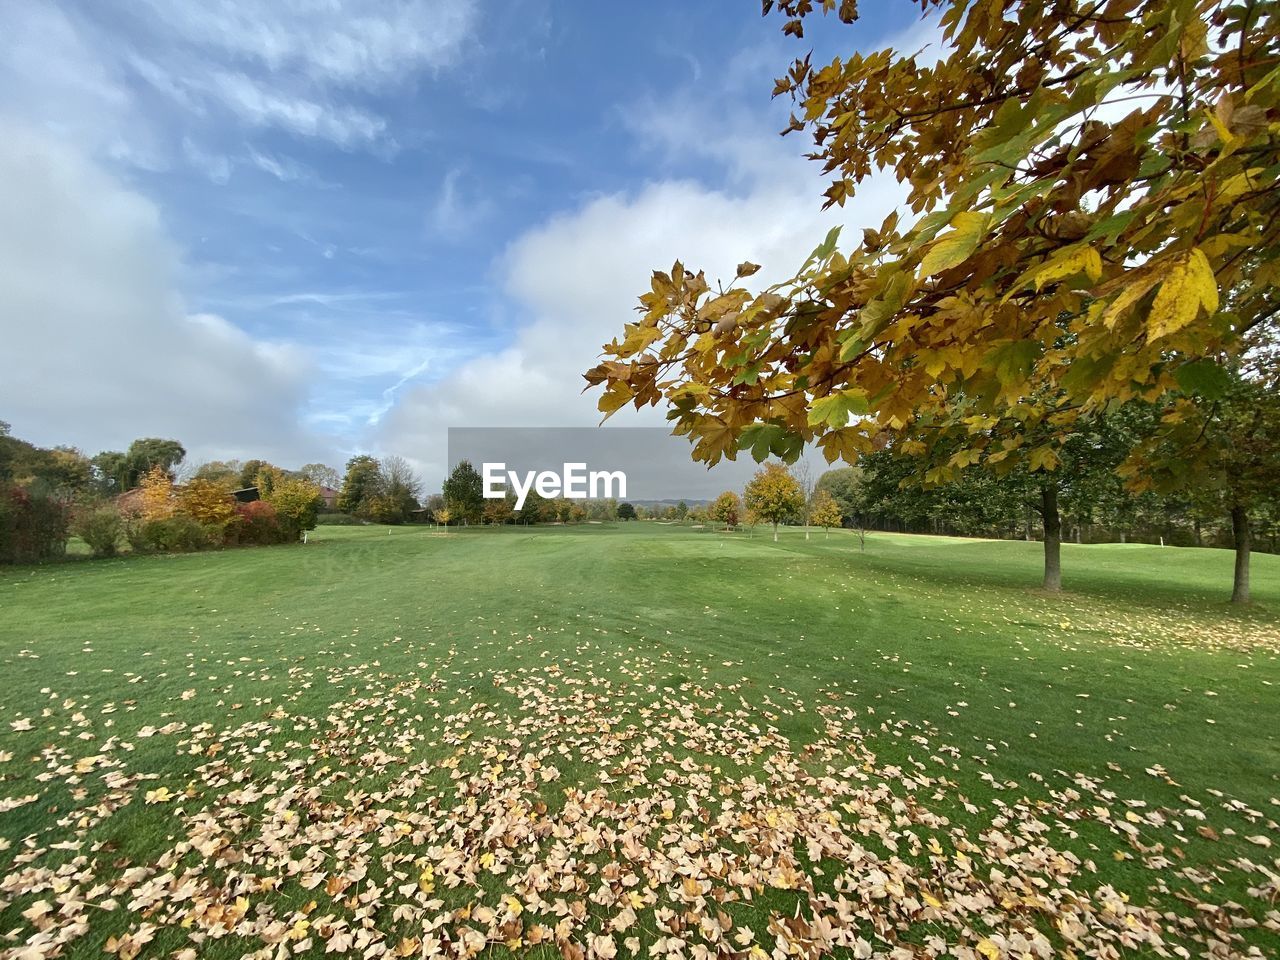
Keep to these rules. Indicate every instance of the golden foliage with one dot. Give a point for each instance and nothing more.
(1058, 258)
(209, 502)
(157, 501)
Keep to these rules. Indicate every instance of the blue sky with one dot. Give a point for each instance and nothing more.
(299, 229)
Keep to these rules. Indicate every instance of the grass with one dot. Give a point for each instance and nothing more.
(318, 725)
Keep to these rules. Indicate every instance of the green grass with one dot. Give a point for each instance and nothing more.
(922, 689)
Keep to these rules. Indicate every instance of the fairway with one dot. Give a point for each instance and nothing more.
(639, 739)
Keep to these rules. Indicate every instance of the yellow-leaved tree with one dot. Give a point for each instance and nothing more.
(774, 495)
(726, 508)
(208, 502)
(1088, 184)
(157, 501)
(824, 511)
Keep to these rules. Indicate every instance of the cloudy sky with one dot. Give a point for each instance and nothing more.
(300, 229)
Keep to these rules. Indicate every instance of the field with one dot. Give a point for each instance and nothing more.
(617, 739)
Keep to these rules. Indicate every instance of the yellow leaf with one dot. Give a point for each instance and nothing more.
(1188, 286)
(954, 248)
(1067, 263)
(989, 949)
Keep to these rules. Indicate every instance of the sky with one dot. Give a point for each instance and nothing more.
(303, 229)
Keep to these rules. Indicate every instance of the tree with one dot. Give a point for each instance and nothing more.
(825, 511)
(268, 477)
(399, 490)
(803, 474)
(1235, 445)
(443, 515)
(297, 503)
(500, 511)
(222, 471)
(1062, 258)
(682, 510)
(773, 495)
(464, 490)
(626, 511)
(847, 487)
(360, 486)
(726, 508)
(249, 472)
(157, 501)
(110, 471)
(208, 502)
(149, 453)
(322, 475)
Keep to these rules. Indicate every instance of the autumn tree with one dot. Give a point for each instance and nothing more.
(500, 510)
(1084, 183)
(148, 453)
(156, 501)
(297, 502)
(208, 502)
(774, 495)
(824, 511)
(726, 508)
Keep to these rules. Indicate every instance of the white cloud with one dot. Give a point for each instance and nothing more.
(53, 75)
(101, 349)
(578, 278)
(295, 65)
(261, 105)
(361, 44)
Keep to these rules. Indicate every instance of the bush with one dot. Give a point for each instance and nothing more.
(135, 534)
(297, 504)
(178, 533)
(101, 528)
(209, 503)
(257, 523)
(33, 527)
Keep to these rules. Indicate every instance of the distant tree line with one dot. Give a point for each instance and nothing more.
(142, 498)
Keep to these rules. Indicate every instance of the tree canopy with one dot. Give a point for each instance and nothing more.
(774, 495)
(1085, 181)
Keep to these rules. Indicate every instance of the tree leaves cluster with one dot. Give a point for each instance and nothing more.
(1094, 219)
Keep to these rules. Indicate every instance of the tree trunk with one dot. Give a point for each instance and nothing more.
(1052, 537)
(1240, 531)
(775, 531)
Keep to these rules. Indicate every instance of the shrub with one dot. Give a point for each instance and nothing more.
(209, 503)
(135, 534)
(297, 504)
(177, 533)
(33, 526)
(101, 528)
(257, 523)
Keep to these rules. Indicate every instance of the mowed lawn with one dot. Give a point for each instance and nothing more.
(639, 739)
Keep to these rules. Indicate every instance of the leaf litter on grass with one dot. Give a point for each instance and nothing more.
(644, 810)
